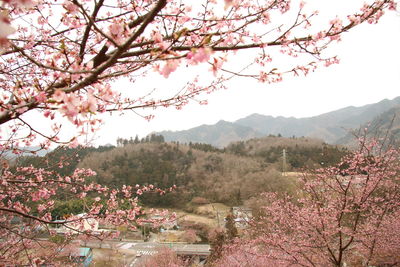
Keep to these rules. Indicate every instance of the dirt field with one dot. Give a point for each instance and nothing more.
(292, 174)
(214, 207)
(212, 214)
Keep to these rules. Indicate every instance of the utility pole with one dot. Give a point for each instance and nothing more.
(217, 212)
(283, 162)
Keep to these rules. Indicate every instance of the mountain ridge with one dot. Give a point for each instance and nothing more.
(330, 126)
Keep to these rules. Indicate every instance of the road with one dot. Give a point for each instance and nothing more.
(150, 248)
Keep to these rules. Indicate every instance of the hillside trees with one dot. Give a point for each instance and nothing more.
(60, 61)
(300, 152)
(344, 215)
(68, 155)
(217, 176)
(160, 164)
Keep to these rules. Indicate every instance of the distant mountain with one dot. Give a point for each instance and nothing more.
(220, 134)
(25, 151)
(331, 126)
(386, 126)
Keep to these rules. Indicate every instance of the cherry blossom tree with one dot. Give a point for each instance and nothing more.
(64, 58)
(344, 217)
(164, 257)
(28, 196)
(60, 61)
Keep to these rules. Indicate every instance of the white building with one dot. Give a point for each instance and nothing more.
(242, 216)
(78, 223)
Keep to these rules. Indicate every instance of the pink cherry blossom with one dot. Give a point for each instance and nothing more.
(70, 7)
(91, 104)
(169, 67)
(64, 58)
(199, 55)
(41, 97)
(116, 29)
(343, 214)
(58, 96)
(229, 3)
(157, 37)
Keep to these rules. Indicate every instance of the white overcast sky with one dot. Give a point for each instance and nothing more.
(369, 72)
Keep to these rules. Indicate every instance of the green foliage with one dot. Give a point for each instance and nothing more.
(230, 176)
(300, 152)
(301, 157)
(204, 147)
(153, 138)
(63, 160)
(66, 208)
(160, 164)
(238, 148)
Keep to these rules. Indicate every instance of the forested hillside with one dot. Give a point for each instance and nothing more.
(230, 176)
(300, 153)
